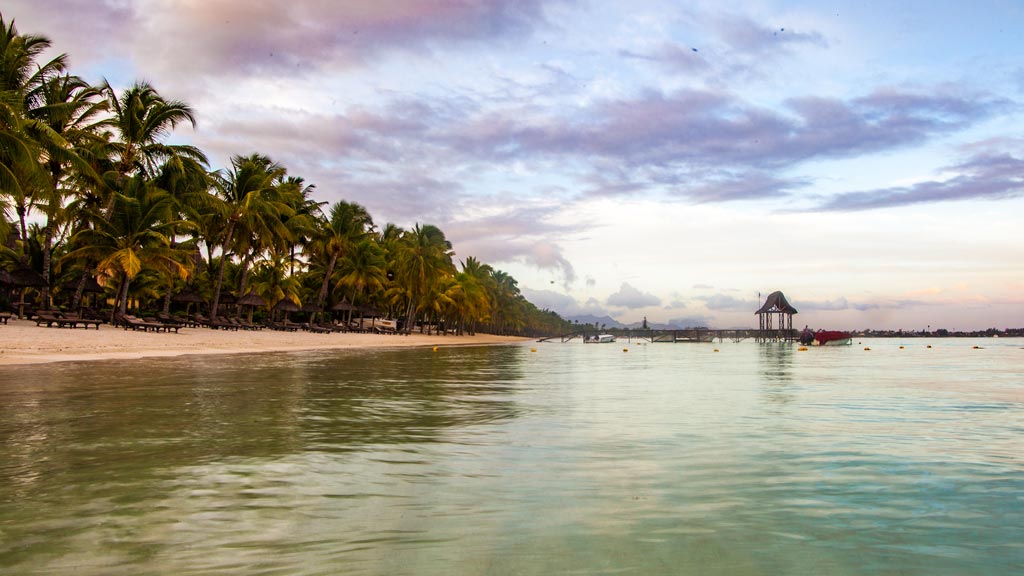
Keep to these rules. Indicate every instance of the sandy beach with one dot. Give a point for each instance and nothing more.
(22, 342)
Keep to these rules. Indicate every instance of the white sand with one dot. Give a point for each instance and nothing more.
(22, 342)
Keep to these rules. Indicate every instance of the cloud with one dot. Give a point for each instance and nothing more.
(744, 35)
(825, 305)
(727, 302)
(521, 234)
(727, 46)
(565, 305)
(630, 297)
(986, 176)
(232, 37)
(711, 145)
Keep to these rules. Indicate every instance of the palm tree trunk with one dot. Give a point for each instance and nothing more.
(47, 247)
(77, 299)
(220, 270)
(243, 283)
(321, 298)
(24, 233)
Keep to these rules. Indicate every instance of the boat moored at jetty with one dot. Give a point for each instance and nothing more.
(832, 338)
(600, 339)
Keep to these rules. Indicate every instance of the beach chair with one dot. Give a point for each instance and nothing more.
(170, 320)
(50, 318)
(248, 325)
(222, 323)
(333, 327)
(314, 328)
(281, 327)
(73, 320)
(136, 324)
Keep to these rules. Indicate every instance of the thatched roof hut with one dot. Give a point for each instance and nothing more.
(776, 307)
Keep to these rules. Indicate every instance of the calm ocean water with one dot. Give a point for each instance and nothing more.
(575, 459)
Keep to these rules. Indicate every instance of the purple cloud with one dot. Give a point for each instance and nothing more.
(236, 37)
(986, 176)
(515, 235)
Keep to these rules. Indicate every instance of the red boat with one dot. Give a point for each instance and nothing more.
(832, 338)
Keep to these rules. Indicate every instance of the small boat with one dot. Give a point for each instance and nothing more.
(600, 339)
(832, 338)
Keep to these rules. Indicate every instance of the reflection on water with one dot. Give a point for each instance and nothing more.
(668, 459)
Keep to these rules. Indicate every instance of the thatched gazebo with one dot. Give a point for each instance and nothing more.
(775, 319)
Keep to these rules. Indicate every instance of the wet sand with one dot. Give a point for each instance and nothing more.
(22, 342)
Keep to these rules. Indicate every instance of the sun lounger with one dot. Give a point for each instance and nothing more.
(4, 317)
(169, 320)
(135, 323)
(316, 329)
(167, 326)
(281, 327)
(222, 323)
(333, 327)
(51, 318)
(73, 320)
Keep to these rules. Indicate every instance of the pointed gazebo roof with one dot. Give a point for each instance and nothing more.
(776, 303)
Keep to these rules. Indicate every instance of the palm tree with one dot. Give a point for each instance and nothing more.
(135, 237)
(304, 222)
(362, 269)
(272, 281)
(249, 201)
(143, 119)
(21, 174)
(477, 301)
(187, 183)
(348, 224)
(69, 108)
(423, 256)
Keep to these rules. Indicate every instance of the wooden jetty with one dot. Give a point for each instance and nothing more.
(775, 324)
(687, 335)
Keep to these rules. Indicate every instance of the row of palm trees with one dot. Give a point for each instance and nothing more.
(90, 187)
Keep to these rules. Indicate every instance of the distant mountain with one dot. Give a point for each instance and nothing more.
(608, 321)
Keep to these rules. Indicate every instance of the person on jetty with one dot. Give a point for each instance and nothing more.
(807, 336)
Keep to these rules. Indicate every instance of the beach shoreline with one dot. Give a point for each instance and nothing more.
(22, 342)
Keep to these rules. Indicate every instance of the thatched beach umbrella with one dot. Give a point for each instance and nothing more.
(286, 306)
(345, 306)
(189, 297)
(26, 278)
(252, 300)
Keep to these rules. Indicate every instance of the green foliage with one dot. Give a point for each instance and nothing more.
(120, 203)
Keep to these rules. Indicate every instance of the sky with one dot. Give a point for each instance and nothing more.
(646, 159)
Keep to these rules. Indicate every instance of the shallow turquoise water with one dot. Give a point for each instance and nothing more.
(575, 459)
